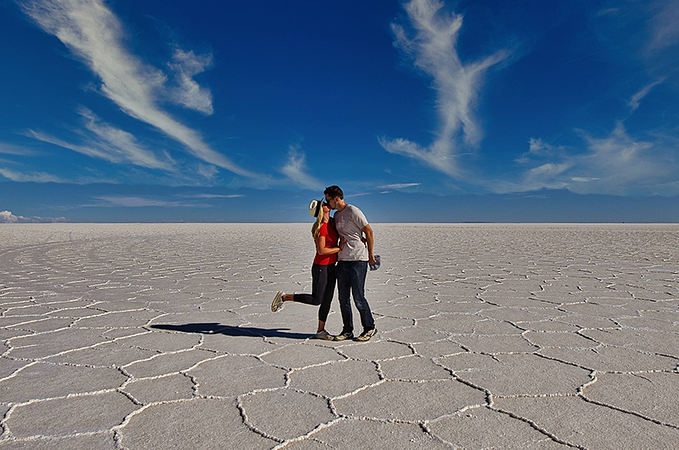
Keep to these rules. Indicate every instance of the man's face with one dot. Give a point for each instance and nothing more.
(332, 201)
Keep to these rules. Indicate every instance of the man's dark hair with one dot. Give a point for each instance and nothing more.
(334, 191)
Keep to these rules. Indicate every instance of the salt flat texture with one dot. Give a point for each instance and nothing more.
(490, 336)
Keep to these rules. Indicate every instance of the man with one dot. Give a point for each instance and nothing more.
(352, 265)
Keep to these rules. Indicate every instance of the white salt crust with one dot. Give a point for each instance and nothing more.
(490, 336)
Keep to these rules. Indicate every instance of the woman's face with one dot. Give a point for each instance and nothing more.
(326, 211)
(330, 201)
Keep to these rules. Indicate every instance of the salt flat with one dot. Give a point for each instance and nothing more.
(490, 336)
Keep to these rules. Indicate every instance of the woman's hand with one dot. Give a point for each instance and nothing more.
(342, 243)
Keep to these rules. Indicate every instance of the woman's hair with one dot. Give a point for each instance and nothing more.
(316, 228)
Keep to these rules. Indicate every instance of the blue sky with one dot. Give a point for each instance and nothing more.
(422, 111)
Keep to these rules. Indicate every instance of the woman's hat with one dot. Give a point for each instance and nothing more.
(315, 207)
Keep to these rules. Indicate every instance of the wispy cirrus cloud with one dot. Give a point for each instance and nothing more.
(664, 25)
(212, 195)
(636, 98)
(637, 32)
(17, 150)
(189, 93)
(619, 164)
(45, 177)
(396, 187)
(33, 177)
(206, 171)
(121, 145)
(616, 164)
(141, 202)
(96, 36)
(296, 169)
(104, 141)
(433, 49)
(540, 149)
(608, 12)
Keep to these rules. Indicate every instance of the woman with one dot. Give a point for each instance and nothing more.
(322, 271)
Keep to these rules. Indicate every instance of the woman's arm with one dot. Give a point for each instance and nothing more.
(320, 247)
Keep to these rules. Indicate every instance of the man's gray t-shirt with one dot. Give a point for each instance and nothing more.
(349, 223)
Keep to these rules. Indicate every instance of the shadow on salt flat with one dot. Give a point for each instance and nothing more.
(229, 330)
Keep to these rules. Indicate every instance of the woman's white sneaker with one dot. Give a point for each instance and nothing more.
(277, 302)
(324, 335)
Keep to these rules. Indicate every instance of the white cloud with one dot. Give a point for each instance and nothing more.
(207, 171)
(539, 148)
(548, 170)
(8, 217)
(665, 25)
(615, 165)
(141, 202)
(44, 177)
(609, 11)
(535, 146)
(11, 149)
(544, 176)
(212, 196)
(636, 98)
(296, 169)
(123, 146)
(622, 164)
(440, 156)
(111, 144)
(396, 187)
(95, 35)
(457, 85)
(34, 177)
(189, 93)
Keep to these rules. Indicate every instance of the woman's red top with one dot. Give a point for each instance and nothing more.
(328, 230)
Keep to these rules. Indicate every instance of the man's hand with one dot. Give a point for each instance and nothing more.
(370, 240)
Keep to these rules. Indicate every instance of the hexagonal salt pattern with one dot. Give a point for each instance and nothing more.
(490, 336)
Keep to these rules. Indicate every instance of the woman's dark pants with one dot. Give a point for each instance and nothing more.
(323, 287)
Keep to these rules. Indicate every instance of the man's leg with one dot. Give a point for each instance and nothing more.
(343, 292)
(359, 269)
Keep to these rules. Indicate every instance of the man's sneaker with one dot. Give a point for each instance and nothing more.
(366, 335)
(324, 335)
(277, 302)
(344, 336)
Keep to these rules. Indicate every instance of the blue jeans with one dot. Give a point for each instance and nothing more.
(351, 279)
